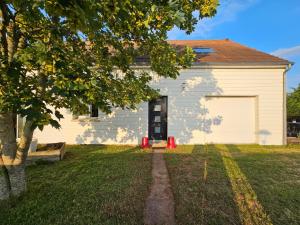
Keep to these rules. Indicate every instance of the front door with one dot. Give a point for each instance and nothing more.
(158, 121)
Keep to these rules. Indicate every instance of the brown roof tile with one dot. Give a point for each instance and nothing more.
(229, 52)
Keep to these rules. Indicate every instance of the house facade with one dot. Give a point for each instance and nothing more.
(232, 94)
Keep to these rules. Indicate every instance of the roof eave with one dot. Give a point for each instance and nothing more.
(229, 64)
(284, 63)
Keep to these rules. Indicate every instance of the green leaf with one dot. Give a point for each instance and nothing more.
(71, 54)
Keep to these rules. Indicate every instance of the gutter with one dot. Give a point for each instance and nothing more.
(287, 68)
(266, 64)
(224, 66)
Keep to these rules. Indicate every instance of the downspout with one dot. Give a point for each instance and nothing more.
(288, 67)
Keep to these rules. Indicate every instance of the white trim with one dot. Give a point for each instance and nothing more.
(257, 119)
(284, 141)
(230, 96)
(246, 66)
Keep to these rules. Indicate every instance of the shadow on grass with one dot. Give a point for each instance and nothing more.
(273, 172)
(92, 185)
(250, 209)
(223, 184)
(213, 184)
(201, 186)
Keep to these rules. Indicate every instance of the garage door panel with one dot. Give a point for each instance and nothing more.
(232, 119)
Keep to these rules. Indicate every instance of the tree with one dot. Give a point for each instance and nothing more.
(72, 53)
(293, 102)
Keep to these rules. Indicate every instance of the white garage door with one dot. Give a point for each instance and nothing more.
(231, 120)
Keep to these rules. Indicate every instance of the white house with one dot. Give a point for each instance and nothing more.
(231, 94)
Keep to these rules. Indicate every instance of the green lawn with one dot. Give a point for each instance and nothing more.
(214, 184)
(92, 185)
(229, 184)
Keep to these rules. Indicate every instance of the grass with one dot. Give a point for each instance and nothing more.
(213, 184)
(274, 173)
(235, 184)
(92, 185)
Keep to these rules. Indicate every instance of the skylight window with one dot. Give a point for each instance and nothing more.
(200, 50)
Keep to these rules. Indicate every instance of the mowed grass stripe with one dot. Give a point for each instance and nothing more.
(251, 212)
(204, 194)
(201, 187)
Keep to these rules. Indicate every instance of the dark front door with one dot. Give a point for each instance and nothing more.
(158, 119)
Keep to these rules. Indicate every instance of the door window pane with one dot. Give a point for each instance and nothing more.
(157, 108)
(157, 119)
(157, 130)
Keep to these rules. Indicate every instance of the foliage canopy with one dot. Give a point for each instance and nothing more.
(293, 102)
(63, 53)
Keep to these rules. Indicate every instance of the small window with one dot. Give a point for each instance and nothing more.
(157, 119)
(157, 130)
(157, 108)
(94, 111)
(200, 50)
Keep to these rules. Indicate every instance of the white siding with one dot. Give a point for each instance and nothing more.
(188, 118)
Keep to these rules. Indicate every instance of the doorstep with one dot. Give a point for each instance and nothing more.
(159, 144)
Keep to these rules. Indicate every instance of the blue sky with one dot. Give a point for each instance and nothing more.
(272, 26)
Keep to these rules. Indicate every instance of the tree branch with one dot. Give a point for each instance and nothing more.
(3, 31)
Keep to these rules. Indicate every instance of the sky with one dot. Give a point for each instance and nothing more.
(271, 26)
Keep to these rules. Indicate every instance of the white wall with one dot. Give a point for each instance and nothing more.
(188, 118)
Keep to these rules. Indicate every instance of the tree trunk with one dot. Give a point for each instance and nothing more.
(13, 157)
(17, 180)
(4, 184)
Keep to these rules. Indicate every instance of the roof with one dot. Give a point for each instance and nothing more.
(229, 52)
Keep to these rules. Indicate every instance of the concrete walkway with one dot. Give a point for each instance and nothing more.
(159, 209)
